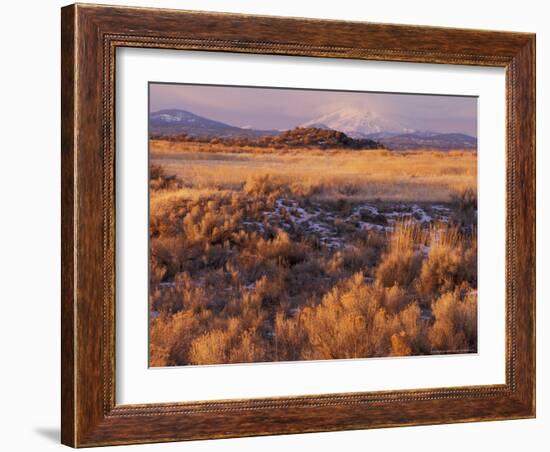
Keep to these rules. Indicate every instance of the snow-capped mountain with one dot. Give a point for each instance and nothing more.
(356, 122)
(169, 122)
(363, 123)
(175, 122)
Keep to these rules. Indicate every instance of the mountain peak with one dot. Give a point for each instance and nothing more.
(173, 121)
(355, 120)
(173, 115)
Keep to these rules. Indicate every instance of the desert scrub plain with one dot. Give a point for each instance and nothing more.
(281, 254)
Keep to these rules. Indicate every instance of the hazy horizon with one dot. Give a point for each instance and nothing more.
(284, 108)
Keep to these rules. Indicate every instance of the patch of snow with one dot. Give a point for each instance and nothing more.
(420, 214)
(369, 226)
(313, 219)
(425, 314)
(166, 285)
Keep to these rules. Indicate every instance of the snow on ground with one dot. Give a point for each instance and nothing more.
(326, 225)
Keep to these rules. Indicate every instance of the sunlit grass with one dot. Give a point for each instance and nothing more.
(419, 176)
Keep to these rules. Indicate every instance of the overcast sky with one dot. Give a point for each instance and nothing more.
(270, 108)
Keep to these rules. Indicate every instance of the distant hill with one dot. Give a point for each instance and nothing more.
(320, 138)
(426, 140)
(180, 122)
(299, 137)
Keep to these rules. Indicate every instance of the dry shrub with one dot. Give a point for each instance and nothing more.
(347, 324)
(158, 180)
(465, 201)
(455, 326)
(166, 254)
(290, 338)
(306, 276)
(349, 189)
(170, 337)
(207, 224)
(400, 345)
(182, 294)
(351, 260)
(465, 198)
(210, 348)
(270, 291)
(395, 299)
(263, 185)
(249, 348)
(252, 313)
(157, 272)
(413, 331)
(165, 214)
(235, 344)
(164, 300)
(452, 259)
(307, 188)
(193, 297)
(281, 249)
(401, 263)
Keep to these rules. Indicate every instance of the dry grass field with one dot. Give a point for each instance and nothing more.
(262, 254)
(416, 176)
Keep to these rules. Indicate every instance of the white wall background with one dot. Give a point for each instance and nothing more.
(29, 225)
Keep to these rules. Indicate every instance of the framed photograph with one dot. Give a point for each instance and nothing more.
(281, 225)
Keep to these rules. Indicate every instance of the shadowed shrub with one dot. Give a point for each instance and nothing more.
(465, 200)
(290, 338)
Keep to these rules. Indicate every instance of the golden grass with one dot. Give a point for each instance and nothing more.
(417, 176)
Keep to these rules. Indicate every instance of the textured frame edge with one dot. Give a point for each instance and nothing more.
(89, 414)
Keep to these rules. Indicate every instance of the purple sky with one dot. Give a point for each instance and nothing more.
(270, 108)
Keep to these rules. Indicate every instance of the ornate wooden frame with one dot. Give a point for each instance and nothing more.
(90, 35)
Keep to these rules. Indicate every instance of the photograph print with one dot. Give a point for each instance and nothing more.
(297, 225)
